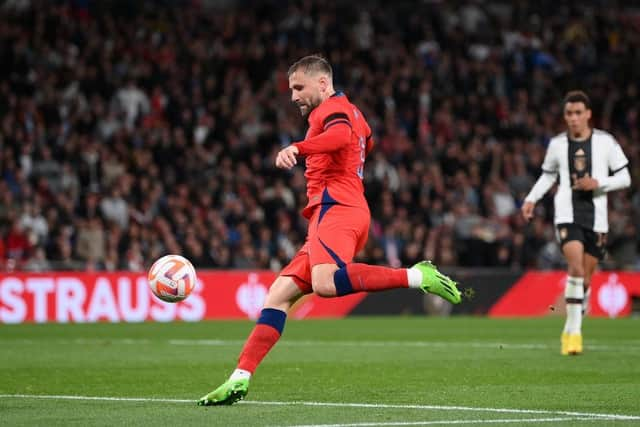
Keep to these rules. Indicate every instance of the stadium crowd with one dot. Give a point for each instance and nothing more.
(133, 129)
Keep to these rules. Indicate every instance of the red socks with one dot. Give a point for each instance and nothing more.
(370, 278)
(264, 336)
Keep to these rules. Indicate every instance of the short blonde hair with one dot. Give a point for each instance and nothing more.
(310, 65)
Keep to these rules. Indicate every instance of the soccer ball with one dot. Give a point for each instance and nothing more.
(172, 278)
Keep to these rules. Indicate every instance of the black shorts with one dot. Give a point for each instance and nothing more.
(595, 244)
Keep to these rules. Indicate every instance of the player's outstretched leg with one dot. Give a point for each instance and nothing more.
(357, 277)
(437, 283)
(227, 394)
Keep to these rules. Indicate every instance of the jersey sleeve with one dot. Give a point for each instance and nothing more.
(334, 126)
(617, 159)
(550, 164)
(332, 116)
(550, 167)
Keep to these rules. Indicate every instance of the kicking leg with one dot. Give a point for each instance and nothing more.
(282, 294)
(337, 233)
(331, 280)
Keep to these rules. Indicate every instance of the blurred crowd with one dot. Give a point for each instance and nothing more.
(129, 130)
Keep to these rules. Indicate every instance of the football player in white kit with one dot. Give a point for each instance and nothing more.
(589, 163)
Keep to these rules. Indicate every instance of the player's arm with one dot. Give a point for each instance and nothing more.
(330, 140)
(620, 178)
(336, 134)
(543, 184)
(618, 165)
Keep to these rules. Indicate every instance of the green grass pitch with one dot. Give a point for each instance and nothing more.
(382, 371)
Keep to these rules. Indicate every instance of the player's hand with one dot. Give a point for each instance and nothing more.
(585, 183)
(527, 210)
(286, 158)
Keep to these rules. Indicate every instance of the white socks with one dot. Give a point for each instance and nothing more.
(414, 277)
(240, 374)
(574, 295)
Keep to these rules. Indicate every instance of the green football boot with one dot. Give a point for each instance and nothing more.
(437, 283)
(227, 394)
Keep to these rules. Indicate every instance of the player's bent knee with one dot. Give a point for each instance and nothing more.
(282, 294)
(324, 288)
(322, 280)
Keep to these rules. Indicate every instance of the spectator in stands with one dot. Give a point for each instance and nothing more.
(168, 117)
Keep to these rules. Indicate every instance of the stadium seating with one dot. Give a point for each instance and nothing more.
(131, 130)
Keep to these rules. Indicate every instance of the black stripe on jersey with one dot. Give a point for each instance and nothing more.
(337, 122)
(620, 168)
(584, 212)
(546, 171)
(335, 116)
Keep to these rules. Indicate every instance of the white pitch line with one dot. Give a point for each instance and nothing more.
(461, 421)
(426, 344)
(449, 408)
(338, 404)
(101, 398)
(315, 343)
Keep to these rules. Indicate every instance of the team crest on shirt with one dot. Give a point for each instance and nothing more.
(580, 160)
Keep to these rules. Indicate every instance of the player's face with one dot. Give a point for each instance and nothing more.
(305, 91)
(577, 116)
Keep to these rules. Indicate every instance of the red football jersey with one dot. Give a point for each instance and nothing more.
(335, 147)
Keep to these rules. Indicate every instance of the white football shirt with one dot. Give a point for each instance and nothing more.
(569, 160)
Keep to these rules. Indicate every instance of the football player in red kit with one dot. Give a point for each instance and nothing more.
(335, 147)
